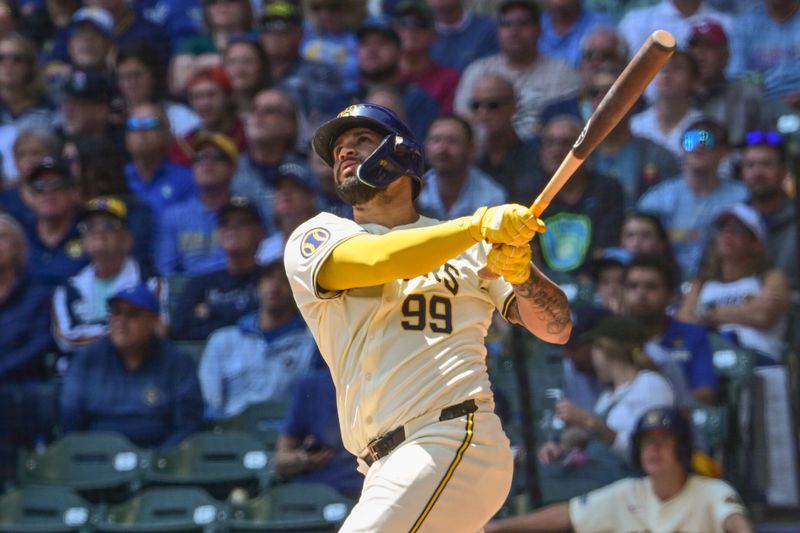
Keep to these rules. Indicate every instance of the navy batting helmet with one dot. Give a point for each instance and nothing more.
(668, 419)
(398, 155)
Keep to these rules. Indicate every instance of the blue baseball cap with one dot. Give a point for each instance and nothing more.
(138, 296)
(298, 173)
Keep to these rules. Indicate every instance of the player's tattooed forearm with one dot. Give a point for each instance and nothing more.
(548, 299)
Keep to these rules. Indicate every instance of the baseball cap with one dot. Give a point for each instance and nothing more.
(217, 140)
(106, 205)
(747, 216)
(97, 17)
(418, 9)
(584, 318)
(270, 251)
(530, 5)
(622, 328)
(300, 174)
(88, 85)
(614, 255)
(380, 26)
(279, 14)
(239, 204)
(138, 296)
(50, 165)
(216, 75)
(710, 31)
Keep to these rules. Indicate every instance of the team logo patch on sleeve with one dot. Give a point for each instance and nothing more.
(313, 240)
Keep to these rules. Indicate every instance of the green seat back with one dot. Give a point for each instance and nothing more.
(193, 348)
(101, 465)
(261, 420)
(731, 361)
(292, 507)
(163, 509)
(711, 423)
(43, 509)
(218, 462)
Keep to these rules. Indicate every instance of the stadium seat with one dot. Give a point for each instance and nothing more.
(102, 466)
(193, 348)
(711, 423)
(164, 510)
(261, 420)
(294, 507)
(731, 362)
(218, 462)
(43, 510)
(175, 284)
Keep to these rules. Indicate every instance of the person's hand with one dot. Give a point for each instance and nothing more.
(550, 452)
(312, 455)
(572, 415)
(512, 224)
(513, 263)
(202, 311)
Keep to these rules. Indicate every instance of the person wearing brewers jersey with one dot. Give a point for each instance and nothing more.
(399, 310)
(669, 498)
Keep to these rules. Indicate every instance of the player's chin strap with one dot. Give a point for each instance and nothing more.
(393, 158)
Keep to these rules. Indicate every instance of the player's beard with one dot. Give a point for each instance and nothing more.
(352, 191)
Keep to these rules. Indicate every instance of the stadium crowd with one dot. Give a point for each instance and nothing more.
(155, 157)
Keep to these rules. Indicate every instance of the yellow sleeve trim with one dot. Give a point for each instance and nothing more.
(507, 305)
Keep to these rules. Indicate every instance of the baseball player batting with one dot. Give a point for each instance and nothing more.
(400, 313)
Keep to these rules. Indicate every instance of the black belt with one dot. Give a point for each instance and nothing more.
(382, 446)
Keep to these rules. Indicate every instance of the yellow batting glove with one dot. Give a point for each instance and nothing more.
(512, 224)
(513, 263)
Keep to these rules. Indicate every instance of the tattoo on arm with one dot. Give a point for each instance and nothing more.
(550, 302)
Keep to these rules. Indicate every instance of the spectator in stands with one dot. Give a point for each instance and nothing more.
(220, 298)
(586, 213)
(264, 354)
(463, 35)
(90, 45)
(309, 447)
(633, 385)
(739, 292)
(649, 288)
(141, 79)
(54, 246)
(132, 382)
(203, 51)
(315, 86)
(676, 499)
(673, 110)
(24, 103)
(179, 18)
(187, 240)
(675, 16)
(296, 200)
(247, 67)
(764, 171)
(210, 94)
(86, 108)
(581, 385)
(329, 35)
(31, 146)
(636, 162)
(599, 46)
(643, 233)
(537, 79)
(379, 52)
(272, 132)
(737, 103)
(413, 22)
(503, 155)
(765, 42)
(150, 174)
(454, 186)
(564, 25)
(80, 307)
(687, 204)
(606, 273)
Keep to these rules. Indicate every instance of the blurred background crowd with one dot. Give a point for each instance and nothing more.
(155, 155)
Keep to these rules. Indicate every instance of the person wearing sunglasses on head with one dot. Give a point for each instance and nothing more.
(763, 168)
(687, 204)
(187, 239)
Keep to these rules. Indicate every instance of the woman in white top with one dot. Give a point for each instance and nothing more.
(739, 292)
(633, 387)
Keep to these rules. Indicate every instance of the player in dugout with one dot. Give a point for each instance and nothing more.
(669, 498)
(399, 311)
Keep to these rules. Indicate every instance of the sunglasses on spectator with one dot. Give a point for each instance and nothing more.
(491, 105)
(732, 226)
(99, 225)
(50, 184)
(694, 139)
(143, 123)
(597, 92)
(602, 55)
(771, 138)
(14, 58)
(241, 221)
(210, 155)
(316, 8)
(517, 22)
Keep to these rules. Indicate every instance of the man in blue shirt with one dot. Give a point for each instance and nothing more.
(564, 25)
(187, 240)
(150, 174)
(132, 382)
(464, 36)
(649, 288)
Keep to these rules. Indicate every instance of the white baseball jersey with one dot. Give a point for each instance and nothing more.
(398, 350)
(631, 506)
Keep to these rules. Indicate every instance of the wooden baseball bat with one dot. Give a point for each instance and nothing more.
(625, 91)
